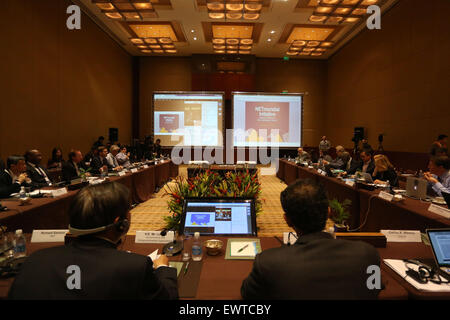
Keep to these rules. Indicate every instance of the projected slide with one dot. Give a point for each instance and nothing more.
(188, 118)
(267, 120)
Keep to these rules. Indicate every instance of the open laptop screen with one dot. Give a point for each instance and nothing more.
(440, 242)
(219, 217)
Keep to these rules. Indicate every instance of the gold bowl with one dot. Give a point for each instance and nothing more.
(213, 247)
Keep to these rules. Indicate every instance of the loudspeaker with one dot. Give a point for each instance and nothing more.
(359, 133)
(113, 135)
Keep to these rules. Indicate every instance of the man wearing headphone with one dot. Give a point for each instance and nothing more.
(90, 266)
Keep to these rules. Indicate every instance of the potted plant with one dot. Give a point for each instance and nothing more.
(340, 214)
(84, 173)
(210, 184)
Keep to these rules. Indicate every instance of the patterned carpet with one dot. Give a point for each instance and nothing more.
(149, 215)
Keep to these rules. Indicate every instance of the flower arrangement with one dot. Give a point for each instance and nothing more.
(210, 184)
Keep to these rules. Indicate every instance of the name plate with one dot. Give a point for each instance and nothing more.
(134, 170)
(48, 235)
(386, 196)
(122, 173)
(154, 237)
(59, 192)
(322, 172)
(439, 210)
(402, 235)
(350, 183)
(145, 166)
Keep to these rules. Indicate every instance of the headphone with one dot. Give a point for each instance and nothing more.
(424, 272)
(121, 226)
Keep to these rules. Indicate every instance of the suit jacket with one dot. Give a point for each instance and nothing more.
(389, 175)
(97, 163)
(315, 267)
(105, 273)
(7, 187)
(69, 172)
(358, 165)
(37, 179)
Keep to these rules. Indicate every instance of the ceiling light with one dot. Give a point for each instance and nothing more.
(351, 19)
(268, 40)
(215, 6)
(324, 9)
(232, 47)
(158, 51)
(146, 51)
(313, 43)
(244, 51)
(369, 2)
(272, 32)
(216, 15)
(330, 1)
(218, 41)
(105, 6)
(308, 49)
(231, 51)
(342, 10)
(253, 6)
(314, 18)
(350, 2)
(232, 41)
(316, 54)
(219, 51)
(251, 16)
(155, 46)
(299, 43)
(113, 15)
(245, 47)
(234, 16)
(359, 11)
(195, 38)
(234, 6)
(335, 19)
(143, 5)
(131, 15)
(171, 51)
(168, 46)
(151, 40)
(246, 41)
(326, 44)
(218, 47)
(165, 40)
(137, 41)
(292, 53)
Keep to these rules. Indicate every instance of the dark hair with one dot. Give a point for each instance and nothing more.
(442, 161)
(441, 150)
(54, 154)
(442, 136)
(98, 205)
(158, 140)
(367, 151)
(13, 160)
(101, 148)
(306, 205)
(28, 155)
(73, 153)
(101, 138)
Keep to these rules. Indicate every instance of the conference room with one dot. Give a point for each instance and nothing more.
(225, 150)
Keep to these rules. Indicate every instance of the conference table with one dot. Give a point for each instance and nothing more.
(51, 213)
(367, 208)
(221, 279)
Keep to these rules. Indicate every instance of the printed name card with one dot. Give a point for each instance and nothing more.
(350, 183)
(402, 235)
(386, 196)
(134, 170)
(59, 192)
(154, 237)
(48, 235)
(322, 172)
(439, 210)
(122, 173)
(145, 166)
(292, 238)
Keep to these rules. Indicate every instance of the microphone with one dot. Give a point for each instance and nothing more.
(174, 247)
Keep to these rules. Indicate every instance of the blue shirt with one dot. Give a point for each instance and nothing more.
(443, 184)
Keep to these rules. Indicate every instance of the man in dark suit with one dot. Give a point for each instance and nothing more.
(71, 168)
(14, 177)
(38, 175)
(365, 165)
(317, 266)
(157, 148)
(99, 164)
(90, 266)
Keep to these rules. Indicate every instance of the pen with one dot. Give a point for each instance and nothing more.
(240, 250)
(186, 268)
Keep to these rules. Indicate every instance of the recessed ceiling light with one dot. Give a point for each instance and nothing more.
(272, 32)
(195, 38)
(192, 30)
(268, 40)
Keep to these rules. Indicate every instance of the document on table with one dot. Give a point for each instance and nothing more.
(154, 255)
(243, 249)
(400, 267)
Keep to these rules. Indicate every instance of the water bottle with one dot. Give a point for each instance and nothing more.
(22, 193)
(197, 248)
(20, 244)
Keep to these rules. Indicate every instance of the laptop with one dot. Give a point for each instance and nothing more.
(446, 198)
(416, 187)
(219, 216)
(440, 243)
(364, 176)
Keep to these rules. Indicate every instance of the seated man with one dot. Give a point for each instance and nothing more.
(365, 165)
(341, 160)
(439, 175)
(111, 158)
(157, 148)
(317, 266)
(99, 164)
(71, 168)
(38, 175)
(14, 177)
(440, 143)
(99, 218)
(123, 158)
(302, 156)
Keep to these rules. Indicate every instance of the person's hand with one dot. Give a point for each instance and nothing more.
(325, 162)
(128, 154)
(379, 182)
(88, 174)
(104, 168)
(430, 178)
(161, 261)
(22, 177)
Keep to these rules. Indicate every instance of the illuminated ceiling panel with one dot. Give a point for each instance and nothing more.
(308, 33)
